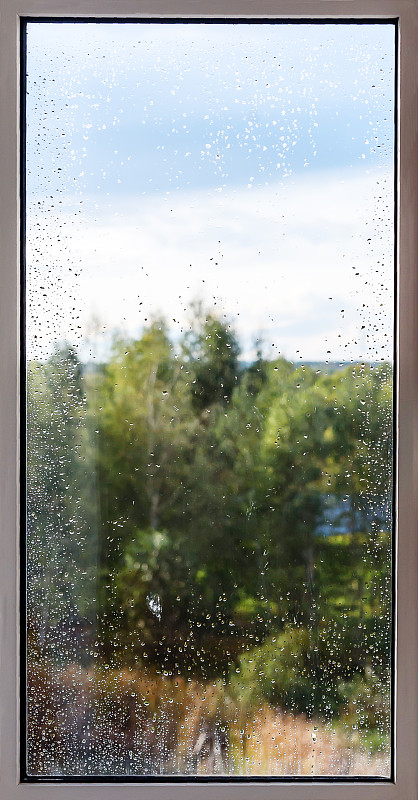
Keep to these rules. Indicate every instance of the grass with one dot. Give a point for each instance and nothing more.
(102, 721)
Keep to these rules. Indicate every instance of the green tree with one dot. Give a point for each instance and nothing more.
(212, 352)
(61, 507)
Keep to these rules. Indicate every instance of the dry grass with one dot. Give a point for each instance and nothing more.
(105, 721)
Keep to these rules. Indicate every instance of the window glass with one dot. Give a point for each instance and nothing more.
(209, 383)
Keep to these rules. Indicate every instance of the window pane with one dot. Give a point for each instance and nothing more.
(209, 328)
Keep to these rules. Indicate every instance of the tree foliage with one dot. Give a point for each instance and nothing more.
(190, 491)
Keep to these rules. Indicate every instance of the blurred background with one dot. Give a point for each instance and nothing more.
(210, 279)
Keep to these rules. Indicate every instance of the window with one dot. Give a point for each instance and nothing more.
(404, 785)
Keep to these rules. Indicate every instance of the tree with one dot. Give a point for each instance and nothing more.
(211, 351)
(61, 504)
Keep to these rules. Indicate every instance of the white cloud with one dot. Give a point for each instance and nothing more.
(305, 265)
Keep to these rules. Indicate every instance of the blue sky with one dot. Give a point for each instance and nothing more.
(245, 165)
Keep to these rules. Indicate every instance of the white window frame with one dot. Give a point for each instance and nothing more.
(405, 707)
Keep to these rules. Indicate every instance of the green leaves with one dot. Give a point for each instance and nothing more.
(187, 495)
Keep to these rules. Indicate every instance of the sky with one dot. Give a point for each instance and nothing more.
(247, 167)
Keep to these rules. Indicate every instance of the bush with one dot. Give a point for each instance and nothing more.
(314, 673)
